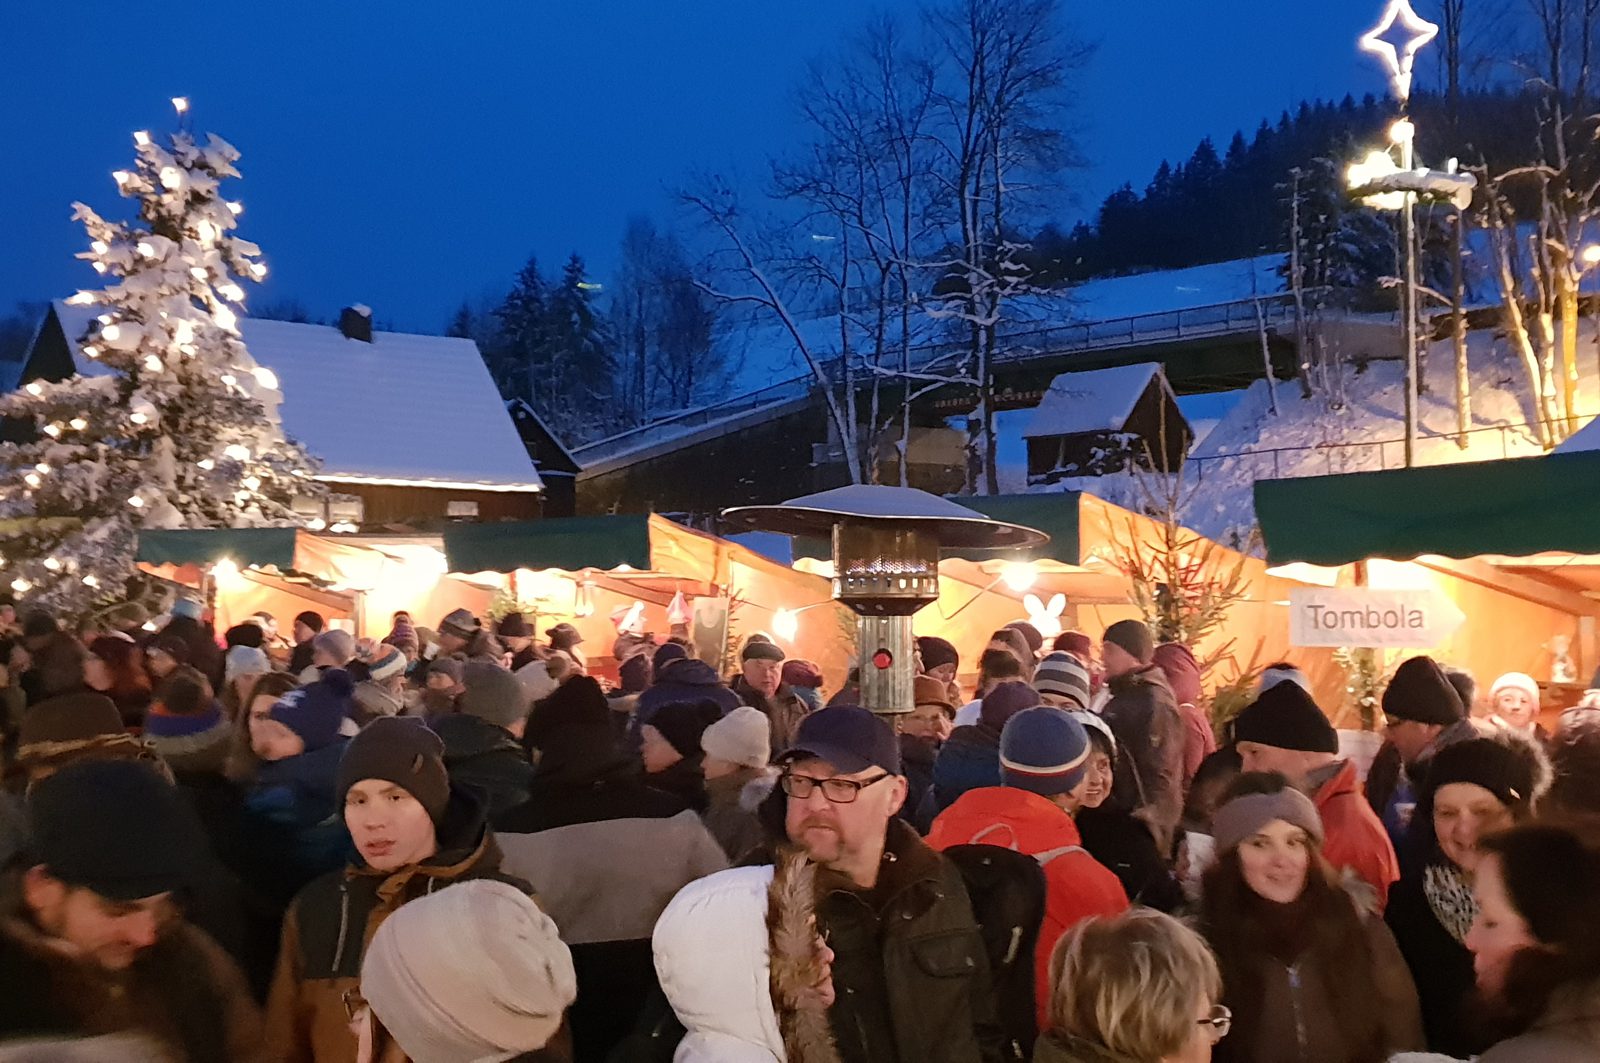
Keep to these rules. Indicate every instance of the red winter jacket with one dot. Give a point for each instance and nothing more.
(1354, 836)
(1077, 885)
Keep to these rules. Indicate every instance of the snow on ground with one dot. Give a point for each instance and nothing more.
(1308, 437)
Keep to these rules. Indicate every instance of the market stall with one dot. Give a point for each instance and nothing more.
(1514, 545)
(656, 577)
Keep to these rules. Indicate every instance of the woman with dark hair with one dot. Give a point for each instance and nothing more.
(115, 667)
(1308, 973)
(1471, 789)
(1535, 944)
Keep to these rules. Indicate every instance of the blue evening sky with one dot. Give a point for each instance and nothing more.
(408, 154)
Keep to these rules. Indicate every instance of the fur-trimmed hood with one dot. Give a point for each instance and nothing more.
(733, 952)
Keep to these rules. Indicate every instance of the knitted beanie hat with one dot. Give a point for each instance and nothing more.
(1133, 636)
(1044, 751)
(936, 651)
(315, 712)
(1004, 701)
(336, 643)
(403, 636)
(115, 827)
(742, 737)
(1063, 675)
(1030, 635)
(665, 654)
(473, 972)
(1516, 681)
(493, 694)
(1507, 766)
(1245, 815)
(1419, 691)
(798, 672)
(403, 751)
(1282, 672)
(683, 723)
(244, 660)
(1285, 717)
(1076, 643)
(387, 663)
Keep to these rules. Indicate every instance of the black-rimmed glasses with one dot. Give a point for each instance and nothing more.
(838, 791)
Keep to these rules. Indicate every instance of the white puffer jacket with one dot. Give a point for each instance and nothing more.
(712, 953)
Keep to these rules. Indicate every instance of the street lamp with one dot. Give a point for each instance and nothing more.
(1399, 60)
(886, 543)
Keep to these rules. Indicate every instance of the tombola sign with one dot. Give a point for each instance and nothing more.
(1364, 617)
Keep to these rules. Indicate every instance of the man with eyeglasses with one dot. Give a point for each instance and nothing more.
(910, 972)
(1423, 714)
(92, 935)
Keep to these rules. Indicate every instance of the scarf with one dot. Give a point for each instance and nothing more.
(1450, 898)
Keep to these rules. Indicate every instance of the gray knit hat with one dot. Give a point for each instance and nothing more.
(493, 694)
(1248, 813)
(1063, 675)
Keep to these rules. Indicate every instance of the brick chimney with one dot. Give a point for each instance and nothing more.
(356, 323)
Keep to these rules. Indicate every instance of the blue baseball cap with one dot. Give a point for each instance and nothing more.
(849, 738)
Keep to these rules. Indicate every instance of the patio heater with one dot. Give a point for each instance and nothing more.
(886, 544)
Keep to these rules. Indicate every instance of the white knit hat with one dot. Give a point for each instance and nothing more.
(742, 737)
(1287, 673)
(474, 971)
(1516, 681)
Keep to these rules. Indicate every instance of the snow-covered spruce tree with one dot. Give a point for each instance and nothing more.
(173, 425)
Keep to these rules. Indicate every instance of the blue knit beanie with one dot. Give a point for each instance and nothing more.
(1044, 751)
(315, 712)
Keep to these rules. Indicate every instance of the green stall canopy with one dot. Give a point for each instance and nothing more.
(569, 543)
(1516, 507)
(1054, 514)
(206, 546)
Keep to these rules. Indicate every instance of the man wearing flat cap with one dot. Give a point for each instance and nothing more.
(760, 685)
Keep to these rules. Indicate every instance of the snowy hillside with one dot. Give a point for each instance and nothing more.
(1307, 437)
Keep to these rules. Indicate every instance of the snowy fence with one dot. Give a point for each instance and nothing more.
(1329, 459)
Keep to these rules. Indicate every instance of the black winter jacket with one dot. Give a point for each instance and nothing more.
(485, 758)
(910, 971)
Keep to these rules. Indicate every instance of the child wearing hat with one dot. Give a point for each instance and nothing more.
(1044, 756)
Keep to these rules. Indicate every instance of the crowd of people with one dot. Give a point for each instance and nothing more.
(465, 844)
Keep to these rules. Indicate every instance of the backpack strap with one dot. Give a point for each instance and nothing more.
(1050, 854)
(978, 838)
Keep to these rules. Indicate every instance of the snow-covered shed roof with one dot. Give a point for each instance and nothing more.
(1099, 400)
(403, 410)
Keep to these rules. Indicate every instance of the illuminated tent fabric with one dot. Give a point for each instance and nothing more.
(1515, 507)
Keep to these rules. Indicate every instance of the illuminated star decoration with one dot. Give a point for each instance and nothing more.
(1399, 61)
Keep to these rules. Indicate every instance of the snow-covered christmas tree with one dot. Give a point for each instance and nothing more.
(170, 423)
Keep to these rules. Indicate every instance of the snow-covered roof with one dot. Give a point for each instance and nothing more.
(1585, 438)
(1100, 400)
(403, 410)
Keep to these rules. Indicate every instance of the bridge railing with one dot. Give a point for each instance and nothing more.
(1197, 322)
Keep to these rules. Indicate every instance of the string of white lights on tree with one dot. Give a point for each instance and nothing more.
(169, 423)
